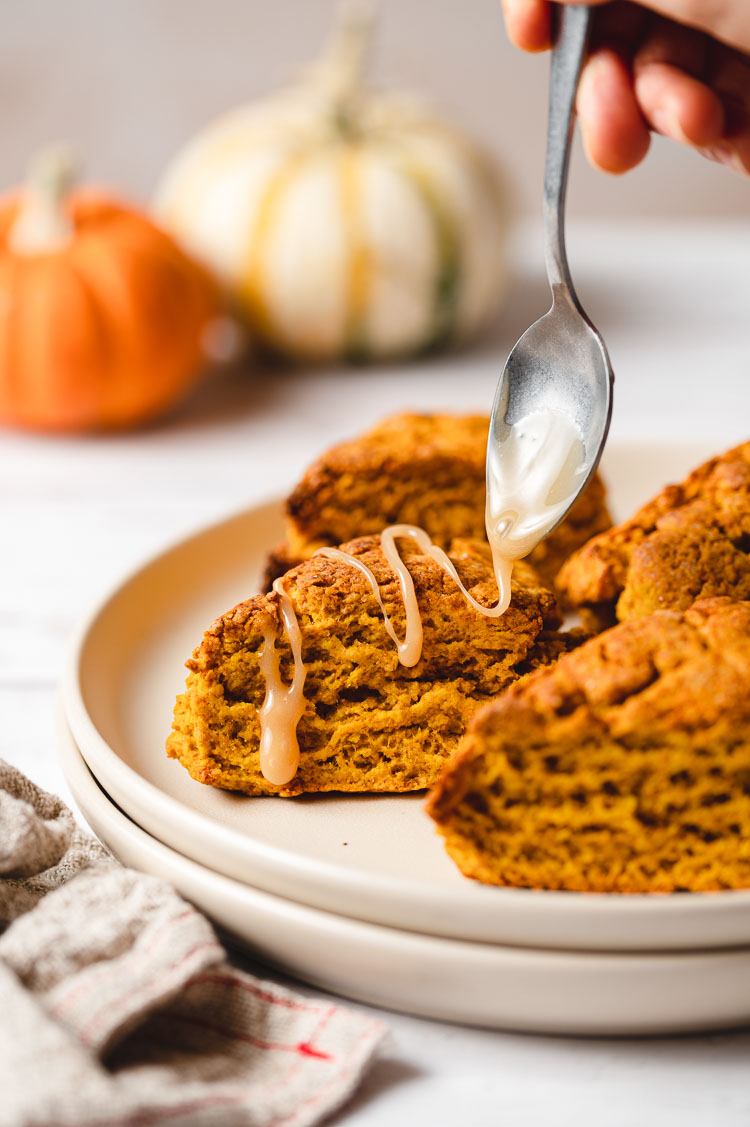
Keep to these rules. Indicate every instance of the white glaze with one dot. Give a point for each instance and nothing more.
(532, 476)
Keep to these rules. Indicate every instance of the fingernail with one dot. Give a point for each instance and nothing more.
(726, 155)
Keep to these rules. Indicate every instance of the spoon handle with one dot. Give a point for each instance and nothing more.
(565, 70)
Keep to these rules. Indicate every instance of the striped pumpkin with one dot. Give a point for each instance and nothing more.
(343, 224)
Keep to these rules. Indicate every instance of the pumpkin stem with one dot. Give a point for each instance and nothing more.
(42, 225)
(339, 73)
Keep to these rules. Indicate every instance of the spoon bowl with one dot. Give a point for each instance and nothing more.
(559, 370)
(560, 365)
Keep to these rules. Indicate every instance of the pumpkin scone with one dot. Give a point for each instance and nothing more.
(427, 470)
(691, 541)
(624, 767)
(369, 723)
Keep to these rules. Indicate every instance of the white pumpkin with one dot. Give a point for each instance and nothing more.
(343, 223)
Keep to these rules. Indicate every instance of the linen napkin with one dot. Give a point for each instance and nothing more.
(118, 1007)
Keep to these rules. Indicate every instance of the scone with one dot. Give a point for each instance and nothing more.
(691, 541)
(624, 767)
(369, 723)
(427, 470)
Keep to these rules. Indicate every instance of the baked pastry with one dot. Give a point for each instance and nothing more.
(624, 767)
(426, 470)
(691, 541)
(369, 723)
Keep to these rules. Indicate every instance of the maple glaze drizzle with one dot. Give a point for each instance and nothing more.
(284, 703)
(410, 646)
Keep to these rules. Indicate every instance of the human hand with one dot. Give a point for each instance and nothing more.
(678, 67)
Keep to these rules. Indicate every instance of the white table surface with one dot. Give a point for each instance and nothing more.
(77, 514)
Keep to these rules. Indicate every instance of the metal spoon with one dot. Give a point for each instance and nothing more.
(560, 364)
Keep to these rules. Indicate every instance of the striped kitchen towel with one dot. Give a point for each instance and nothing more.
(119, 1008)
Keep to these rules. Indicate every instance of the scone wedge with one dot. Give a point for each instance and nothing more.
(691, 541)
(369, 723)
(624, 767)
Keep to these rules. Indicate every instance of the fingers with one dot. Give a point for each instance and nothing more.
(731, 80)
(678, 106)
(695, 91)
(652, 72)
(669, 72)
(670, 79)
(725, 20)
(615, 135)
(528, 23)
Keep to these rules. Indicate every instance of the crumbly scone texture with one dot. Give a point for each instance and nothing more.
(369, 723)
(691, 541)
(427, 470)
(624, 767)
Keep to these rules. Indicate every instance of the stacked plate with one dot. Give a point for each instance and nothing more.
(355, 894)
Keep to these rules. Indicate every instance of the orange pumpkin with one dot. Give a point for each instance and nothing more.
(102, 316)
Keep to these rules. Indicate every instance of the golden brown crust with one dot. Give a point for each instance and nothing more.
(369, 723)
(411, 469)
(427, 470)
(625, 767)
(691, 541)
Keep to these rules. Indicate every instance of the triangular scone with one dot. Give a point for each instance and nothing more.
(691, 541)
(624, 767)
(427, 470)
(369, 723)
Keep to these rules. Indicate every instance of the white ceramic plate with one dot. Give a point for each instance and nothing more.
(476, 983)
(376, 858)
